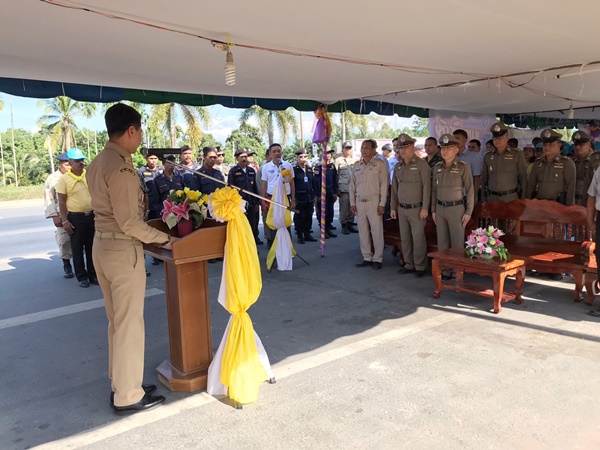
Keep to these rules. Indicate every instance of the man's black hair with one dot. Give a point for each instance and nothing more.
(120, 117)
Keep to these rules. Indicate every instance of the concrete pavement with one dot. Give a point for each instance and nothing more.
(363, 358)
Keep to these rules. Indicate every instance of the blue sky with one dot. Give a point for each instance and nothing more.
(26, 113)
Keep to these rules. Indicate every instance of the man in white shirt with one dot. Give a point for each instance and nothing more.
(269, 177)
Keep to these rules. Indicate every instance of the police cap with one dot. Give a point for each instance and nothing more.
(579, 137)
(549, 135)
(447, 140)
(404, 140)
(499, 129)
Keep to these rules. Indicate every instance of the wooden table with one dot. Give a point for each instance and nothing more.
(455, 258)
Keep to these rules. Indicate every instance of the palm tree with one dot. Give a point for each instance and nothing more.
(351, 121)
(51, 142)
(59, 113)
(88, 109)
(164, 117)
(2, 150)
(284, 120)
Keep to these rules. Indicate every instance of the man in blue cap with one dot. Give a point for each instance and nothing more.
(52, 212)
(75, 206)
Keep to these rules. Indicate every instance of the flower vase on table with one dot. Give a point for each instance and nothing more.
(185, 227)
(485, 243)
(186, 209)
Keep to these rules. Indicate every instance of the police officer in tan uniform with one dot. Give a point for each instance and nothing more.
(553, 175)
(118, 254)
(453, 196)
(368, 193)
(504, 171)
(410, 197)
(586, 162)
(343, 165)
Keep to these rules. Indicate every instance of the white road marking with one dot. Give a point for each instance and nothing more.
(282, 370)
(63, 311)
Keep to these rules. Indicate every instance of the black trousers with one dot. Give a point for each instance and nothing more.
(82, 240)
(303, 219)
(329, 201)
(252, 212)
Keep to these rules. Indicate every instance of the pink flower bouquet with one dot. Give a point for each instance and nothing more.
(485, 243)
(184, 205)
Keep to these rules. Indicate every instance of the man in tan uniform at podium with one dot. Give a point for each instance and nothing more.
(118, 203)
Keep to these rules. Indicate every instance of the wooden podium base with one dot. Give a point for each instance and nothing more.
(180, 382)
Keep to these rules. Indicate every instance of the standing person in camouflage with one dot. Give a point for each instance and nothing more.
(504, 171)
(586, 162)
(343, 165)
(52, 212)
(410, 197)
(449, 208)
(553, 175)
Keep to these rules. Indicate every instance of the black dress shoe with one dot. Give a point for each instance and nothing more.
(404, 270)
(148, 389)
(330, 234)
(419, 273)
(259, 242)
(94, 280)
(364, 264)
(351, 229)
(332, 227)
(148, 273)
(594, 313)
(147, 402)
(84, 284)
(301, 240)
(309, 238)
(376, 265)
(446, 277)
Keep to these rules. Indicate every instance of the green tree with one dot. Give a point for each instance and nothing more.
(88, 109)
(246, 136)
(285, 121)
(164, 117)
(59, 115)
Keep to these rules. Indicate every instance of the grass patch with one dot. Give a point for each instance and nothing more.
(21, 193)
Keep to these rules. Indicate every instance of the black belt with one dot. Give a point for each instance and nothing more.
(501, 193)
(410, 205)
(454, 203)
(88, 213)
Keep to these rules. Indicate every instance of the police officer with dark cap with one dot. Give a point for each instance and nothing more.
(204, 184)
(504, 171)
(331, 191)
(243, 175)
(305, 197)
(170, 179)
(586, 161)
(553, 175)
(148, 174)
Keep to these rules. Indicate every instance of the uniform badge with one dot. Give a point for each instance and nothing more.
(496, 128)
(445, 140)
(576, 136)
(547, 133)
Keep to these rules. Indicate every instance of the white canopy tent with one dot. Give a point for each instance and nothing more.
(443, 54)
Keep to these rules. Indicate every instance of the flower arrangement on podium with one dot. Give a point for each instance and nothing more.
(485, 243)
(186, 209)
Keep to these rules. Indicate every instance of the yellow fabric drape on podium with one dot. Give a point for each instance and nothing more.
(280, 219)
(241, 369)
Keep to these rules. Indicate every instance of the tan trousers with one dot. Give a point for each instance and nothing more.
(64, 243)
(121, 272)
(345, 215)
(450, 232)
(412, 238)
(370, 225)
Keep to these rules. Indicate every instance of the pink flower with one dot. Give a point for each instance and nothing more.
(181, 211)
(483, 239)
(499, 243)
(167, 208)
(496, 234)
(471, 241)
(493, 252)
(480, 246)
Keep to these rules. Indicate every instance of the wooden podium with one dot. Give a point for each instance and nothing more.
(188, 303)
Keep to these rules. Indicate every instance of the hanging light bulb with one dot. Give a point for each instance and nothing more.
(571, 112)
(229, 69)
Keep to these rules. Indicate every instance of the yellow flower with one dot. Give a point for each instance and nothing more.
(192, 195)
(179, 193)
(186, 190)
